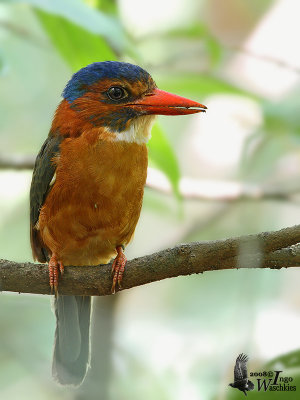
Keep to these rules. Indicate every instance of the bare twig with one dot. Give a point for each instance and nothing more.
(16, 161)
(217, 190)
(266, 250)
(269, 59)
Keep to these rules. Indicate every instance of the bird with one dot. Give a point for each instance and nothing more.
(241, 380)
(87, 189)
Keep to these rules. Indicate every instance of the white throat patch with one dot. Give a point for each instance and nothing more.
(139, 131)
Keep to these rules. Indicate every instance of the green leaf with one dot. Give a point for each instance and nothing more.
(75, 44)
(199, 84)
(199, 31)
(282, 116)
(195, 31)
(107, 6)
(88, 18)
(162, 156)
(289, 361)
(214, 49)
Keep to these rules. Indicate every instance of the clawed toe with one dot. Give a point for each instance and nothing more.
(54, 267)
(117, 269)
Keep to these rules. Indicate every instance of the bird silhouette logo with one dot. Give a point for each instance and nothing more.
(241, 380)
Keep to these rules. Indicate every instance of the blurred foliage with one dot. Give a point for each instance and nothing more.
(106, 6)
(44, 42)
(203, 85)
(75, 44)
(77, 12)
(163, 157)
(200, 31)
(2, 65)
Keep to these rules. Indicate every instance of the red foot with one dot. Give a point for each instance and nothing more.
(118, 268)
(54, 266)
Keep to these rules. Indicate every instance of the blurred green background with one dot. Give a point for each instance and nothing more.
(176, 339)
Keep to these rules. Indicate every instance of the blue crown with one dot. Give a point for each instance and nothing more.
(82, 79)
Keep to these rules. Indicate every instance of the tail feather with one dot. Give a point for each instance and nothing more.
(71, 355)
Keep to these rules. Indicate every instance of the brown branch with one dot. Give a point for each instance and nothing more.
(265, 250)
(190, 189)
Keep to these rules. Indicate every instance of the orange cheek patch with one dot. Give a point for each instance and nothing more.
(68, 122)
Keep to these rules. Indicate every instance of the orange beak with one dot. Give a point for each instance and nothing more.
(164, 103)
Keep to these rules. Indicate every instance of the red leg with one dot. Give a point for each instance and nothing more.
(61, 267)
(118, 268)
(54, 266)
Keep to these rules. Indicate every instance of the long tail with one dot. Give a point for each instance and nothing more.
(71, 355)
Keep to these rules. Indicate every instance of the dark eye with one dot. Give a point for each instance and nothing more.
(117, 93)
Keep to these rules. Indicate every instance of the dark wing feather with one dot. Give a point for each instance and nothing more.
(250, 385)
(43, 173)
(240, 369)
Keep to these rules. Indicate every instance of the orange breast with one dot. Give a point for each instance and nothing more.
(95, 202)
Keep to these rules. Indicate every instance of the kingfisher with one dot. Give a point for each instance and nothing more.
(87, 188)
